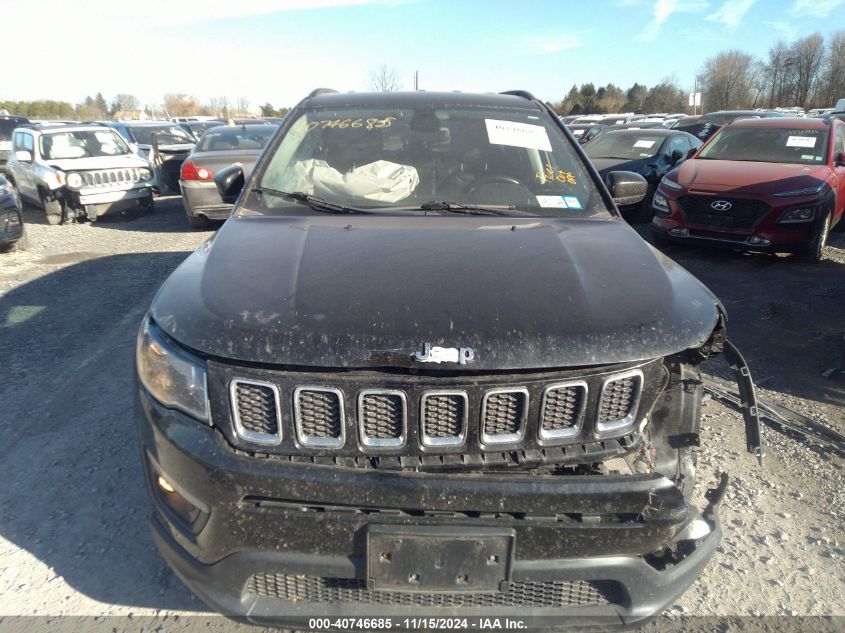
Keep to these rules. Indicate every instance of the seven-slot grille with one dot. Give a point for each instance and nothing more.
(318, 415)
(619, 400)
(503, 415)
(562, 410)
(382, 417)
(444, 418)
(424, 419)
(255, 408)
(109, 177)
(742, 215)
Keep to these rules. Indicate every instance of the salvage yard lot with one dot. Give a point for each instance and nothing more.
(73, 509)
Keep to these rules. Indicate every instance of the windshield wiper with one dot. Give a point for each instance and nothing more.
(315, 202)
(467, 209)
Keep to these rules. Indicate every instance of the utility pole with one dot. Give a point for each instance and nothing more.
(416, 80)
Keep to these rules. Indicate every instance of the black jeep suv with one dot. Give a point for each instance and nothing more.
(426, 369)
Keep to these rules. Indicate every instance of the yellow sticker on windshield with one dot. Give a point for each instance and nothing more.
(549, 174)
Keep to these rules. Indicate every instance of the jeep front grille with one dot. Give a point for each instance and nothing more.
(382, 417)
(433, 421)
(619, 400)
(327, 590)
(318, 414)
(562, 410)
(443, 418)
(503, 415)
(256, 409)
(111, 177)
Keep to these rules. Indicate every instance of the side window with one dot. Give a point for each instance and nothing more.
(17, 142)
(28, 144)
(839, 140)
(678, 142)
(23, 141)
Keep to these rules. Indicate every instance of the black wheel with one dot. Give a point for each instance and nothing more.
(815, 250)
(147, 205)
(53, 209)
(198, 221)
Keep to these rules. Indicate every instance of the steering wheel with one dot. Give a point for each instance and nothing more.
(493, 180)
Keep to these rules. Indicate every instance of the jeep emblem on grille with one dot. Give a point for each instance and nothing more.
(721, 205)
(436, 354)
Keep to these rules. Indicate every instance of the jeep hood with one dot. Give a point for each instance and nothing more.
(367, 291)
(100, 162)
(746, 176)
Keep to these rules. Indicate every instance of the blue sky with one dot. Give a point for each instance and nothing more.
(278, 50)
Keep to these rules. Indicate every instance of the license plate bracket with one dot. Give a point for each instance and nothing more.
(431, 559)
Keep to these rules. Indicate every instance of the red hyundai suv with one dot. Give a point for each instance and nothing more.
(766, 185)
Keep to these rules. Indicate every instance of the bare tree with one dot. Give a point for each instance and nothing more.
(385, 79)
(833, 74)
(807, 54)
(776, 71)
(727, 80)
(242, 106)
(180, 104)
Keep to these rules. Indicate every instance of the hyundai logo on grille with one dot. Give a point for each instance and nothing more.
(721, 205)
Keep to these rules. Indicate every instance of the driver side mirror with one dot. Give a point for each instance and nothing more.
(839, 159)
(23, 156)
(626, 187)
(230, 182)
(692, 152)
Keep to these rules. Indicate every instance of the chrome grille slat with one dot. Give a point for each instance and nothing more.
(443, 417)
(619, 400)
(319, 417)
(563, 409)
(110, 177)
(504, 413)
(382, 417)
(256, 411)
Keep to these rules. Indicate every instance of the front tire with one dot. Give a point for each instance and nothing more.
(815, 250)
(53, 209)
(643, 213)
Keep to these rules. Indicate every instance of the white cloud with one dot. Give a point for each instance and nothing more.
(553, 43)
(788, 29)
(732, 12)
(664, 9)
(813, 8)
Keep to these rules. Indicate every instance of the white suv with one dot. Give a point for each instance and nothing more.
(78, 171)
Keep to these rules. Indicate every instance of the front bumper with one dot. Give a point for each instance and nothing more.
(278, 542)
(202, 199)
(104, 202)
(785, 241)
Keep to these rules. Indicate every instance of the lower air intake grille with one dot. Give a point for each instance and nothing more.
(381, 418)
(319, 416)
(563, 408)
(619, 399)
(256, 411)
(353, 590)
(503, 415)
(444, 417)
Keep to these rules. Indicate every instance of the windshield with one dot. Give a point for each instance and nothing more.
(167, 134)
(629, 145)
(82, 144)
(401, 158)
(768, 145)
(236, 138)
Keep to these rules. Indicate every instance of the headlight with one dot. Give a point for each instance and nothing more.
(660, 203)
(74, 180)
(798, 214)
(171, 376)
(144, 174)
(809, 191)
(671, 184)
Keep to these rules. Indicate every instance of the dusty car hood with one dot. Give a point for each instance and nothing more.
(605, 165)
(370, 291)
(100, 162)
(746, 177)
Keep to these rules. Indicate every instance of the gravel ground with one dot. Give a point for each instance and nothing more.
(73, 509)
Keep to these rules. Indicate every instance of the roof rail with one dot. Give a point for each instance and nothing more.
(321, 91)
(520, 93)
